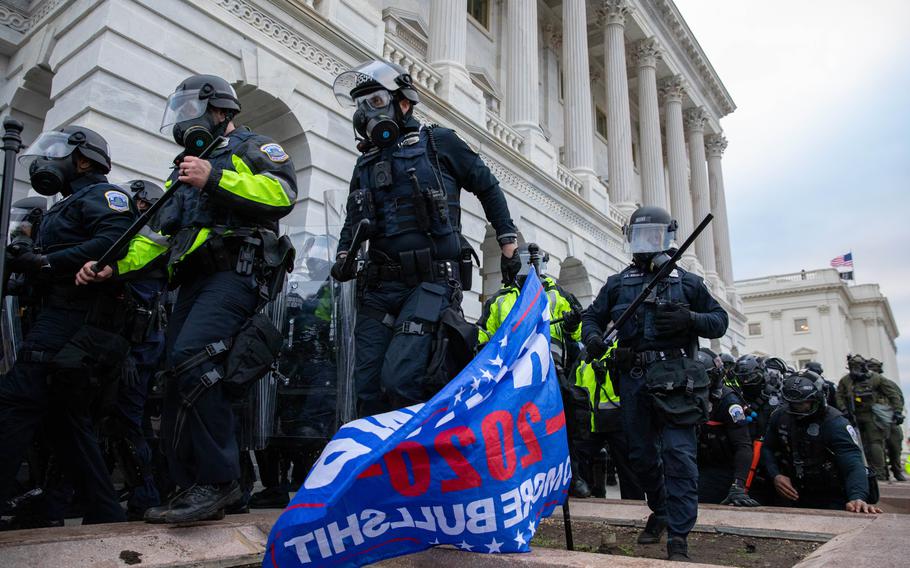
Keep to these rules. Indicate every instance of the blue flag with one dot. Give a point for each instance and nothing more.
(477, 466)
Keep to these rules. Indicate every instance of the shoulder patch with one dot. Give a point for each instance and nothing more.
(852, 431)
(813, 429)
(117, 201)
(737, 413)
(275, 152)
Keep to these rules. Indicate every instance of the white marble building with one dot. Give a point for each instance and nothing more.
(815, 316)
(582, 109)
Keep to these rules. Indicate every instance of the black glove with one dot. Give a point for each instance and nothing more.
(339, 273)
(26, 263)
(596, 347)
(898, 418)
(510, 267)
(672, 319)
(571, 320)
(737, 497)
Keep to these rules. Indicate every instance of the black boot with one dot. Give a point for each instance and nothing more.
(678, 549)
(155, 515)
(898, 474)
(654, 529)
(271, 498)
(579, 488)
(203, 503)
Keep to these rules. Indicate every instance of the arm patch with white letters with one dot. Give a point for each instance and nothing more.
(117, 201)
(274, 152)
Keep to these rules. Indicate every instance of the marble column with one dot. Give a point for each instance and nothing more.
(579, 125)
(612, 15)
(523, 83)
(647, 52)
(695, 119)
(672, 89)
(715, 146)
(446, 53)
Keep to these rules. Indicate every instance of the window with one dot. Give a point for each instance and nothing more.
(803, 363)
(600, 122)
(801, 325)
(480, 11)
(755, 328)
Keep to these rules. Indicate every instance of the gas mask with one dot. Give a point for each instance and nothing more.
(197, 134)
(651, 261)
(50, 176)
(377, 117)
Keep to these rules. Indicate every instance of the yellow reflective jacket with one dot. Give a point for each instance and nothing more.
(603, 394)
(498, 307)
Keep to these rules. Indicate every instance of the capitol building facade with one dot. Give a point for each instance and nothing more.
(582, 109)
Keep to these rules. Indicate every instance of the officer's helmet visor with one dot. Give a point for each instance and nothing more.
(649, 237)
(525, 258)
(378, 99)
(372, 71)
(750, 377)
(181, 106)
(50, 145)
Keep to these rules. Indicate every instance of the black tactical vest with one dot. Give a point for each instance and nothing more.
(802, 454)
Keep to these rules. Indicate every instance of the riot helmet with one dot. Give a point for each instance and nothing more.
(24, 219)
(815, 367)
(375, 88)
(749, 374)
(729, 362)
(145, 193)
(648, 235)
(804, 393)
(714, 367)
(187, 111)
(874, 365)
(51, 158)
(530, 255)
(858, 368)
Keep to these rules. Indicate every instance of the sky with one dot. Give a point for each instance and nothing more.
(818, 162)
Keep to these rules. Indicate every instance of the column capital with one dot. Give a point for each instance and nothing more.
(552, 35)
(695, 119)
(613, 12)
(672, 88)
(647, 52)
(715, 144)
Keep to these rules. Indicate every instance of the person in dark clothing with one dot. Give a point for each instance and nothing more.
(407, 183)
(74, 347)
(659, 343)
(724, 444)
(830, 387)
(812, 452)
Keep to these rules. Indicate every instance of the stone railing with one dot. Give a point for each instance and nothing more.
(503, 132)
(568, 179)
(421, 72)
(400, 27)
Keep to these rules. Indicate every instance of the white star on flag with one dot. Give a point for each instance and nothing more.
(465, 546)
(532, 528)
(487, 375)
(504, 341)
(520, 539)
(475, 384)
(493, 546)
(435, 542)
(497, 361)
(458, 395)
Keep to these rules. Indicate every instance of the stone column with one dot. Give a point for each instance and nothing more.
(695, 119)
(647, 52)
(446, 52)
(523, 83)
(579, 126)
(612, 15)
(715, 146)
(672, 89)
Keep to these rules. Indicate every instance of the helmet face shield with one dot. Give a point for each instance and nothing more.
(182, 106)
(648, 237)
(378, 99)
(380, 73)
(52, 144)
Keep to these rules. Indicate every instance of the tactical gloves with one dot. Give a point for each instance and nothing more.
(672, 319)
(898, 418)
(339, 273)
(571, 320)
(596, 347)
(738, 497)
(510, 267)
(27, 263)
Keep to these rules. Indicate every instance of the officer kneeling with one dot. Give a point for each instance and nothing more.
(664, 391)
(407, 184)
(812, 452)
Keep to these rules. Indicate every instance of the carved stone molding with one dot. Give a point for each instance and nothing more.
(20, 22)
(647, 52)
(672, 88)
(695, 118)
(715, 144)
(824, 309)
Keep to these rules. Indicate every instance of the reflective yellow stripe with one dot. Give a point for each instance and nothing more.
(261, 188)
(141, 252)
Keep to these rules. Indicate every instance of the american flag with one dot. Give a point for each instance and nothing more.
(845, 261)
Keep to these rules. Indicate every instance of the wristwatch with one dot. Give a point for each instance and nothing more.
(507, 239)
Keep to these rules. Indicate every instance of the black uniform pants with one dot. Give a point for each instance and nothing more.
(390, 364)
(589, 455)
(714, 482)
(208, 309)
(32, 393)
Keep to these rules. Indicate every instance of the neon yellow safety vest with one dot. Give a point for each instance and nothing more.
(498, 307)
(604, 395)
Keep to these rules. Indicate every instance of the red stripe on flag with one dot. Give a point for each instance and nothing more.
(556, 423)
(524, 315)
(372, 471)
(305, 506)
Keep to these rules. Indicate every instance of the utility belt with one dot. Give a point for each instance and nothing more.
(414, 269)
(643, 359)
(109, 309)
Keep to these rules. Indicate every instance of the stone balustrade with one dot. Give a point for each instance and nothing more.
(503, 132)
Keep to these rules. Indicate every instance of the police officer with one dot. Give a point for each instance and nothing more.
(894, 440)
(812, 452)
(407, 182)
(865, 396)
(660, 341)
(729, 362)
(724, 444)
(607, 440)
(74, 348)
(224, 254)
(830, 388)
